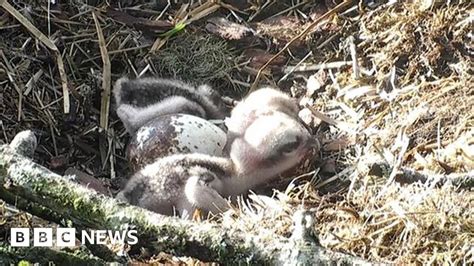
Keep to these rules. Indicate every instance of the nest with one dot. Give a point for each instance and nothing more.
(406, 100)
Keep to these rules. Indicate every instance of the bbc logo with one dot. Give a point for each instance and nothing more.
(43, 237)
(66, 237)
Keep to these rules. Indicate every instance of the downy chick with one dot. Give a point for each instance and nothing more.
(271, 145)
(260, 102)
(178, 184)
(140, 100)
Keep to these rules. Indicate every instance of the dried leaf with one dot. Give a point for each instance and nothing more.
(158, 26)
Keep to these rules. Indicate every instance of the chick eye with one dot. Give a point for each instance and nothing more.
(205, 179)
(290, 146)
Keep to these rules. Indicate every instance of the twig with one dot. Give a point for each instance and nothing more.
(347, 127)
(355, 63)
(344, 172)
(15, 85)
(31, 81)
(46, 41)
(5, 137)
(289, 9)
(201, 11)
(288, 69)
(105, 102)
(168, 4)
(328, 40)
(299, 36)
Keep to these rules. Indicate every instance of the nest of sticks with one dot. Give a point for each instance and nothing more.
(385, 85)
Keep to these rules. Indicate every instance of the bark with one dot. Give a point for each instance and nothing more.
(205, 241)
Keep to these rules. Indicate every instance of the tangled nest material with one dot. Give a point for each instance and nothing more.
(411, 104)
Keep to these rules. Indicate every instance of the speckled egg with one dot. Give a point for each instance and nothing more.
(174, 134)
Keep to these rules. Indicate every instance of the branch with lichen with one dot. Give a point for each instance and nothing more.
(205, 241)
